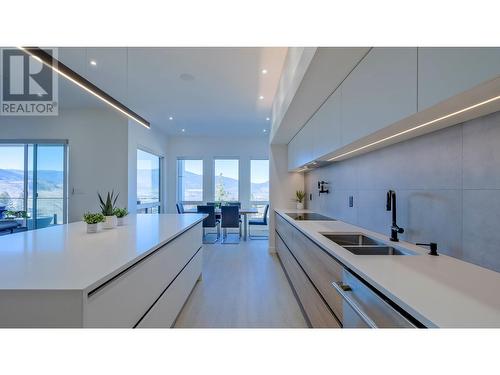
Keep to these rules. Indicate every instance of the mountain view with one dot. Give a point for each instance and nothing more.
(50, 191)
(193, 187)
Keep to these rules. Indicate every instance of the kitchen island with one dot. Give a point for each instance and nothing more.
(136, 275)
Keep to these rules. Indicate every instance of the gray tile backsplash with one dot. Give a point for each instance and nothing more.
(447, 184)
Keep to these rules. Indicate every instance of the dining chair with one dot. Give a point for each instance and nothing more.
(210, 203)
(180, 208)
(230, 218)
(261, 222)
(209, 222)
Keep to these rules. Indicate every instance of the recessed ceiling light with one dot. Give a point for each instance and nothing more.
(170, 118)
(261, 97)
(264, 131)
(267, 119)
(93, 62)
(183, 130)
(264, 71)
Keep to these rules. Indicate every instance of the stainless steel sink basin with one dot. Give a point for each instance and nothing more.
(377, 250)
(360, 244)
(354, 239)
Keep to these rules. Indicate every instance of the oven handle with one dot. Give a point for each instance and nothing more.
(342, 288)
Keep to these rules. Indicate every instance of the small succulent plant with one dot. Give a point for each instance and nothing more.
(108, 206)
(300, 195)
(120, 212)
(93, 218)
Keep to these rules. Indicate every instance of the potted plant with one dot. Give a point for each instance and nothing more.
(120, 213)
(300, 195)
(108, 208)
(92, 221)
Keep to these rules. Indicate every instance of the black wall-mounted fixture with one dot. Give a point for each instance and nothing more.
(391, 206)
(66, 72)
(433, 246)
(322, 187)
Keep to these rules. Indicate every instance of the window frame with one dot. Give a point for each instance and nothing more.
(179, 191)
(251, 202)
(150, 205)
(214, 182)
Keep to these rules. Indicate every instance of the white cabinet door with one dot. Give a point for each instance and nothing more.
(292, 154)
(305, 150)
(326, 127)
(300, 148)
(445, 72)
(380, 91)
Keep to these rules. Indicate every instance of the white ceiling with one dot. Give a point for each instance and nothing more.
(222, 99)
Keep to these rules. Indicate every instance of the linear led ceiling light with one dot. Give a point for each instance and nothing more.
(61, 69)
(416, 127)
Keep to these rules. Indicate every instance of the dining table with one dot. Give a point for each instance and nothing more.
(243, 212)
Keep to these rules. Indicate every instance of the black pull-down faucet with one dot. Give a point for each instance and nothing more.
(391, 205)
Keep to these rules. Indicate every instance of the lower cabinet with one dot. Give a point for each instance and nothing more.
(317, 311)
(165, 310)
(330, 295)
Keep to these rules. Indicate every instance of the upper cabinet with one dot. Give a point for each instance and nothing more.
(445, 72)
(380, 91)
(386, 86)
(325, 127)
(300, 148)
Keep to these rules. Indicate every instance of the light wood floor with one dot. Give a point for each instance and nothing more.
(243, 286)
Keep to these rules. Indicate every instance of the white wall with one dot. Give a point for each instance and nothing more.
(97, 140)
(209, 148)
(282, 185)
(154, 141)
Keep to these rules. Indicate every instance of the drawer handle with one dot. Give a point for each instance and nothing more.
(342, 289)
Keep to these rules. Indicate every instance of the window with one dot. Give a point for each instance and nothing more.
(259, 180)
(226, 173)
(148, 182)
(33, 187)
(189, 181)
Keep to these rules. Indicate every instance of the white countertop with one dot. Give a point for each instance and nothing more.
(66, 257)
(438, 291)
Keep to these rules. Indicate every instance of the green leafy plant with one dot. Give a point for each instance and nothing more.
(120, 212)
(16, 214)
(300, 195)
(108, 206)
(91, 218)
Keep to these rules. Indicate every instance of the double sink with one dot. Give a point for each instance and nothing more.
(359, 244)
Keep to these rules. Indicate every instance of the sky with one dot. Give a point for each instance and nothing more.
(229, 168)
(49, 157)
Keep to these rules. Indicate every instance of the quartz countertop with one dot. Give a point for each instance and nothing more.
(438, 291)
(65, 257)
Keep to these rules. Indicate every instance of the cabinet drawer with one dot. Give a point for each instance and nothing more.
(317, 311)
(165, 310)
(283, 228)
(321, 268)
(122, 301)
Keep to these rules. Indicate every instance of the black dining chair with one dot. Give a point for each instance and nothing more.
(210, 203)
(180, 208)
(209, 222)
(230, 218)
(262, 221)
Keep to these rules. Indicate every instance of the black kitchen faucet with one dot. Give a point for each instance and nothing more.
(391, 205)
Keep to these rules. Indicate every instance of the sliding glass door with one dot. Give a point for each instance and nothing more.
(33, 187)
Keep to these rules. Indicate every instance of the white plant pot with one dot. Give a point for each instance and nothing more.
(120, 221)
(92, 228)
(300, 206)
(109, 222)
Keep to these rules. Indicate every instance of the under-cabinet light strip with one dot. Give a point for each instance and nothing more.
(86, 85)
(416, 127)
